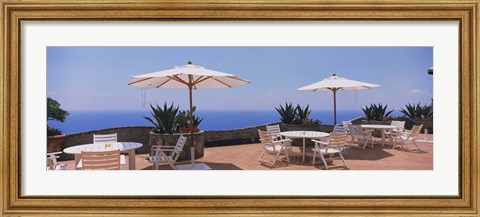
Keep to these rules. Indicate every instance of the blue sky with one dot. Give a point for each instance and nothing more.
(95, 78)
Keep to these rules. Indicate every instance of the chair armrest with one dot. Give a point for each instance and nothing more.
(164, 148)
(320, 142)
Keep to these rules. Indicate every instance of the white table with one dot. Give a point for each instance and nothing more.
(383, 128)
(125, 147)
(304, 135)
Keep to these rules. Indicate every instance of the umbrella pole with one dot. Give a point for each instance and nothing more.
(192, 148)
(334, 107)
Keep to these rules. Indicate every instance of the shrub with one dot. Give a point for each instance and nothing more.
(376, 112)
(417, 111)
(302, 114)
(288, 114)
(51, 131)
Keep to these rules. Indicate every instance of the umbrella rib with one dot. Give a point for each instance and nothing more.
(221, 82)
(169, 79)
(237, 78)
(202, 80)
(198, 79)
(134, 82)
(176, 78)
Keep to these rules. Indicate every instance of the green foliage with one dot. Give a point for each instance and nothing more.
(417, 111)
(54, 112)
(165, 120)
(376, 112)
(302, 114)
(51, 131)
(288, 114)
(184, 119)
(170, 119)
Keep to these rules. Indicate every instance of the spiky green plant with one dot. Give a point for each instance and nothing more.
(302, 114)
(416, 111)
(376, 112)
(165, 120)
(287, 114)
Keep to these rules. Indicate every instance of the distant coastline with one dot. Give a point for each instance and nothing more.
(82, 121)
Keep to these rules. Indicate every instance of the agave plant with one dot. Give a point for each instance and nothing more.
(376, 112)
(302, 114)
(417, 111)
(165, 120)
(288, 113)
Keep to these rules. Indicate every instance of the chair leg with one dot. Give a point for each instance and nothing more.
(343, 159)
(324, 161)
(405, 144)
(418, 148)
(314, 155)
(366, 143)
(261, 156)
(156, 165)
(288, 156)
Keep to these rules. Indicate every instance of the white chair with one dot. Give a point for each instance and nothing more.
(400, 128)
(275, 130)
(52, 163)
(101, 160)
(347, 124)
(167, 154)
(333, 146)
(273, 147)
(104, 138)
(359, 135)
(406, 136)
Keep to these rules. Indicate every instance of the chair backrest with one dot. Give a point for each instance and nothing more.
(104, 138)
(105, 160)
(339, 129)
(178, 147)
(336, 140)
(356, 130)
(399, 124)
(347, 124)
(415, 131)
(266, 139)
(275, 130)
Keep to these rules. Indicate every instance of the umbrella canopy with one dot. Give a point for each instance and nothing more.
(335, 83)
(187, 77)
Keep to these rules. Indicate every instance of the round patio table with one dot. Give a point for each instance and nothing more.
(304, 135)
(124, 147)
(383, 128)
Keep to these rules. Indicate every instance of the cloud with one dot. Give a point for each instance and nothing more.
(416, 92)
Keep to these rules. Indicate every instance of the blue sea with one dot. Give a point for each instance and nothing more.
(82, 121)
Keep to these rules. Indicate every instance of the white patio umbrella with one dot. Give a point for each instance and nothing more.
(335, 83)
(187, 77)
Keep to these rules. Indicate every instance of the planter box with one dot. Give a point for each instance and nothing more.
(54, 143)
(171, 140)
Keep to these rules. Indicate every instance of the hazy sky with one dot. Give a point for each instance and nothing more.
(96, 78)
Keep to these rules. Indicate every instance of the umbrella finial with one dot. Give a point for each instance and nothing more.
(334, 74)
(189, 63)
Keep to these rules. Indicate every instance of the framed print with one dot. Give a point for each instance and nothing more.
(239, 108)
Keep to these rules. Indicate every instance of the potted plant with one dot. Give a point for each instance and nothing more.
(417, 114)
(169, 123)
(54, 135)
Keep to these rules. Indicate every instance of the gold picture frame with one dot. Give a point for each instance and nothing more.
(15, 12)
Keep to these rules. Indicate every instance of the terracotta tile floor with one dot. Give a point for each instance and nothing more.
(245, 157)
